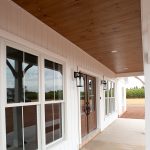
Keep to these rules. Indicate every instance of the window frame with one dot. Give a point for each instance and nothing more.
(41, 92)
(44, 102)
(23, 104)
(110, 84)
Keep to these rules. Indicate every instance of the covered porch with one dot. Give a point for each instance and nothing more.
(65, 62)
(122, 134)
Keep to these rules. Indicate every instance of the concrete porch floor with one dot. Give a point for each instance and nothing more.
(123, 134)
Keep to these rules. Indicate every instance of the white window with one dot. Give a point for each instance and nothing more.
(24, 106)
(53, 100)
(110, 98)
(22, 74)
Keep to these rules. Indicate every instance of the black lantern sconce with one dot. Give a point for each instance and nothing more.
(104, 83)
(79, 79)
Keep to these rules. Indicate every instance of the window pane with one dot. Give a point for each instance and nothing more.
(109, 88)
(113, 105)
(58, 82)
(57, 121)
(106, 91)
(106, 106)
(31, 77)
(14, 136)
(113, 89)
(21, 68)
(14, 75)
(49, 80)
(110, 105)
(30, 127)
(49, 123)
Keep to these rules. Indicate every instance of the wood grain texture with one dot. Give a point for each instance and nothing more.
(98, 27)
(25, 29)
(88, 105)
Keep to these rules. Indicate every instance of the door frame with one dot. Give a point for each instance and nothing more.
(98, 95)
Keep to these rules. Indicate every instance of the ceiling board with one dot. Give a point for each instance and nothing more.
(98, 27)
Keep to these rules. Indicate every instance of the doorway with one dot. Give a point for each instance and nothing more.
(134, 98)
(88, 105)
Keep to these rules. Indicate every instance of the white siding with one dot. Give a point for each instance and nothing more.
(23, 28)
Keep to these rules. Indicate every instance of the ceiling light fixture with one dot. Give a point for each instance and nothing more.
(114, 51)
(125, 68)
(79, 79)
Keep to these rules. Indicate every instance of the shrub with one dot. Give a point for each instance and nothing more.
(135, 93)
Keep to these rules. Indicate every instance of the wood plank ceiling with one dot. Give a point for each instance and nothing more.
(108, 30)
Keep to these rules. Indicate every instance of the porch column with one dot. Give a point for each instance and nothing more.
(145, 11)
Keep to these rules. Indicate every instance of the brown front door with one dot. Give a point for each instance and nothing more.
(88, 105)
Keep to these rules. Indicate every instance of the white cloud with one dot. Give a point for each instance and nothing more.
(133, 82)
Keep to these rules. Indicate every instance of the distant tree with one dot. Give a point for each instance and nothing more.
(135, 92)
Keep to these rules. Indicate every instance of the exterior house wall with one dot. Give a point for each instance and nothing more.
(19, 26)
(146, 54)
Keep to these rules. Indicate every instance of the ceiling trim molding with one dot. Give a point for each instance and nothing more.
(130, 74)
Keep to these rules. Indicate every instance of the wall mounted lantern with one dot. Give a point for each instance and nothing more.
(79, 79)
(104, 83)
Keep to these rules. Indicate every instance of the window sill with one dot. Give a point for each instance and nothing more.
(109, 115)
(55, 143)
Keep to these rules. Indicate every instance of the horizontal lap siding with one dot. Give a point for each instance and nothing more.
(17, 21)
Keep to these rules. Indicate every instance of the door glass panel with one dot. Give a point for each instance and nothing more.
(57, 121)
(91, 95)
(49, 128)
(58, 82)
(14, 73)
(82, 96)
(30, 127)
(31, 77)
(49, 80)
(14, 136)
